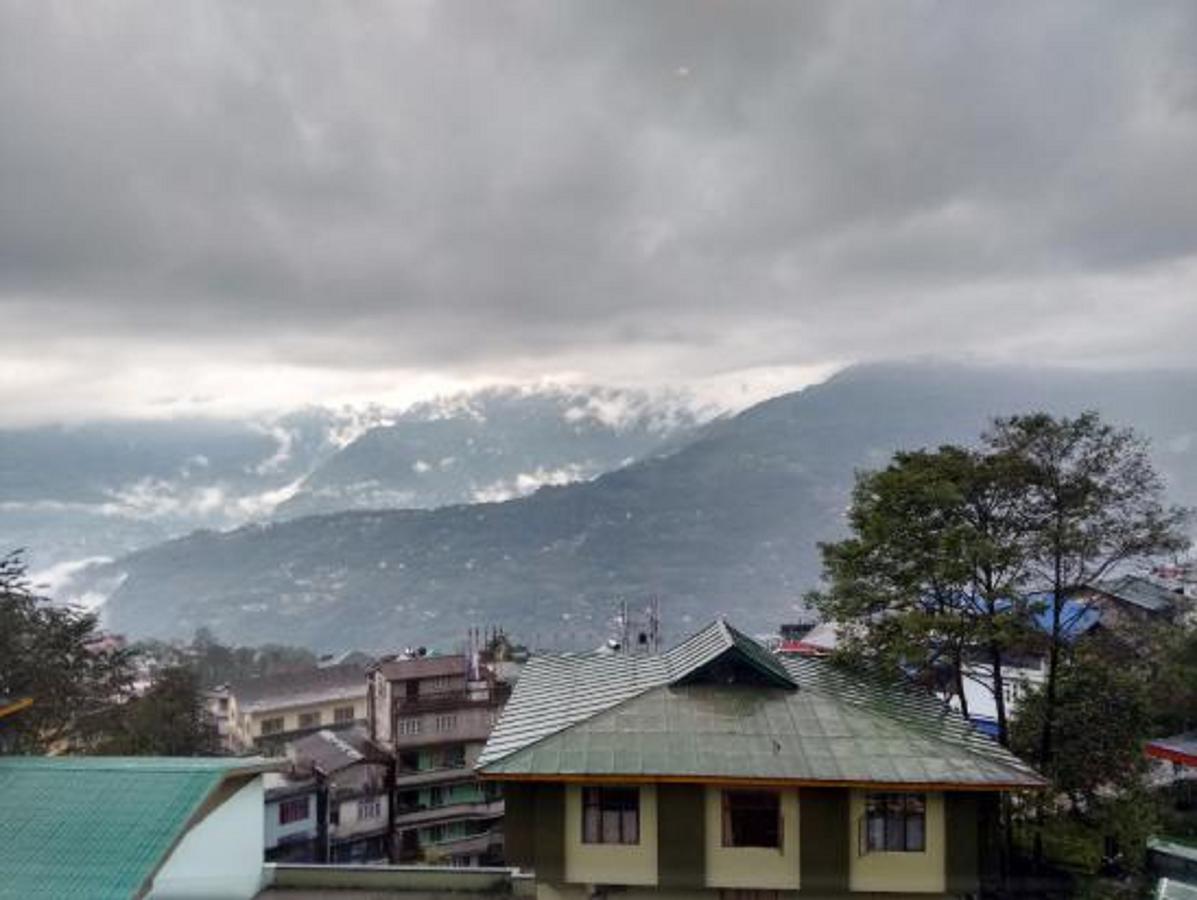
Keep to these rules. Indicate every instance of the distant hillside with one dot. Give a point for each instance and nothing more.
(492, 445)
(105, 488)
(70, 494)
(727, 524)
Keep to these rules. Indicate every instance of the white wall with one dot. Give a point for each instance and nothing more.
(222, 856)
(276, 833)
(351, 824)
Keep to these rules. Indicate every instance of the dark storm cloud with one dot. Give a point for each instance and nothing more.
(461, 186)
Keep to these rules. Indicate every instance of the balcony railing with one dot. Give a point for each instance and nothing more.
(420, 814)
(452, 700)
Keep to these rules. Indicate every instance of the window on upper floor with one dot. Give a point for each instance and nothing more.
(752, 819)
(309, 719)
(409, 726)
(343, 715)
(894, 823)
(272, 726)
(446, 723)
(293, 810)
(369, 808)
(610, 815)
(454, 757)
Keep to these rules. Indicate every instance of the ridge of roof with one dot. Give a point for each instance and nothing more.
(564, 693)
(224, 765)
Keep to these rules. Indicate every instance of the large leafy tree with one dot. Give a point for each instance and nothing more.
(1092, 502)
(930, 577)
(57, 656)
(169, 719)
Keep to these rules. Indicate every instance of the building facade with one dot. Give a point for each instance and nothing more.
(266, 713)
(717, 769)
(352, 800)
(292, 819)
(434, 714)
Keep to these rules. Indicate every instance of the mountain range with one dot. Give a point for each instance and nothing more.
(725, 522)
(76, 495)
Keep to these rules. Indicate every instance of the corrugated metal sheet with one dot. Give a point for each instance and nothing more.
(96, 827)
(624, 716)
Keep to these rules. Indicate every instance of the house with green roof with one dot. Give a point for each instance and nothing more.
(718, 768)
(130, 827)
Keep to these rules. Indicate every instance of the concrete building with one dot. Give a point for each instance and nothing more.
(353, 804)
(434, 714)
(292, 821)
(266, 713)
(718, 769)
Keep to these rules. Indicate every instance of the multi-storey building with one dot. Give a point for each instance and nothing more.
(434, 713)
(353, 806)
(266, 713)
(719, 770)
(292, 825)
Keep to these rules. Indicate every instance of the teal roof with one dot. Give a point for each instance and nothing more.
(99, 827)
(612, 716)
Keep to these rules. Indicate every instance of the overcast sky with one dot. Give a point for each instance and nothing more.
(211, 206)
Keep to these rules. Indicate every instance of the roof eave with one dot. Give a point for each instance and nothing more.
(1028, 783)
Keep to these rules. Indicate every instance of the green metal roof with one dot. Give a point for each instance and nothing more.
(609, 716)
(98, 827)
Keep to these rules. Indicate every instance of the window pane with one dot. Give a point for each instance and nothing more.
(631, 826)
(876, 832)
(611, 826)
(754, 818)
(914, 833)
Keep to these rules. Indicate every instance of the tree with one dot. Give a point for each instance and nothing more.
(169, 719)
(1092, 503)
(57, 656)
(930, 577)
(1102, 713)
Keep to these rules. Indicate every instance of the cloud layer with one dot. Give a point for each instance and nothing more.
(213, 203)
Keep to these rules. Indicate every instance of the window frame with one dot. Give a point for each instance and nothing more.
(371, 804)
(751, 802)
(340, 717)
(267, 727)
(287, 808)
(313, 719)
(885, 826)
(611, 805)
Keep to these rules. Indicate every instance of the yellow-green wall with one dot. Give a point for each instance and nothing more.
(899, 872)
(611, 863)
(752, 867)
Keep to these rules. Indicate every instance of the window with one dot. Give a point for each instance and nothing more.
(343, 715)
(436, 796)
(751, 819)
(409, 726)
(294, 810)
(369, 808)
(610, 816)
(454, 757)
(446, 723)
(436, 834)
(894, 823)
(272, 726)
(309, 719)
